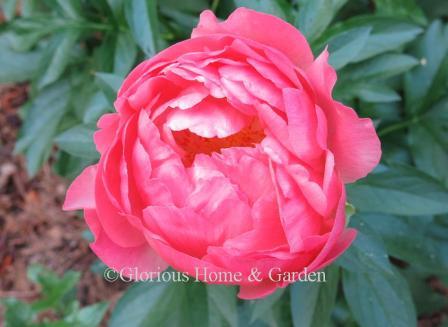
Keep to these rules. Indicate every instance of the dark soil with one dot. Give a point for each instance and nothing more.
(33, 228)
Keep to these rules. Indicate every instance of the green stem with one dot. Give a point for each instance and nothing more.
(398, 126)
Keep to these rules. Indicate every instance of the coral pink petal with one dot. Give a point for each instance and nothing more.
(122, 259)
(257, 290)
(267, 29)
(115, 223)
(81, 193)
(353, 140)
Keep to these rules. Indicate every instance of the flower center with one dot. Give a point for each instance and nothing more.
(193, 144)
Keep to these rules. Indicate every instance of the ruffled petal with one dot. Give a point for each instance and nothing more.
(267, 29)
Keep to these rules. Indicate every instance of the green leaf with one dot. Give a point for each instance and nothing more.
(125, 53)
(380, 67)
(78, 141)
(43, 116)
(401, 8)
(400, 190)
(386, 34)
(16, 66)
(312, 303)
(167, 304)
(421, 84)
(429, 142)
(273, 7)
(96, 106)
(109, 84)
(89, 316)
(142, 18)
(222, 303)
(368, 92)
(377, 93)
(57, 57)
(377, 298)
(315, 15)
(346, 46)
(54, 288)
(9, 8)
(17, 313)
(410, 239)
(70, 8)
(259, 307)
(367, 252)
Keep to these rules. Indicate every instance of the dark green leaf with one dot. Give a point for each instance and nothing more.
(367, 253)
(168, 304)
(410, 239)
(421, 84)
(401, 8)
(429, 142)
(78, 141)
(399, 190)
(311, 302)
(379, 299)
(273, 7)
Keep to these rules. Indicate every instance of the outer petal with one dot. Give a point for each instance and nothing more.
(260, 27)
(81, 194)
(142, 257)
(353, 140)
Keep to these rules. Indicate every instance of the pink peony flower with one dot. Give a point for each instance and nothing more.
(226, 153)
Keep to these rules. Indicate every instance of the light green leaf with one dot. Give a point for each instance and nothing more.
(312, 302)
(109, 84)
(381, 67)
(222, 303)
(43, 116)
(57, 57)
(346, 46)
(9, 8)
(142, 18)
(89, 316)
(125, 54)
(315, 15)
(259, 307)
(386, 34)
(400, 190)
(78, 141)
(16, 66)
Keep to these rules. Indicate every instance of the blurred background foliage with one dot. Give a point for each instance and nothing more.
(392, 62)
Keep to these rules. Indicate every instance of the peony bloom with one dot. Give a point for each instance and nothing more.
(226, 153)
